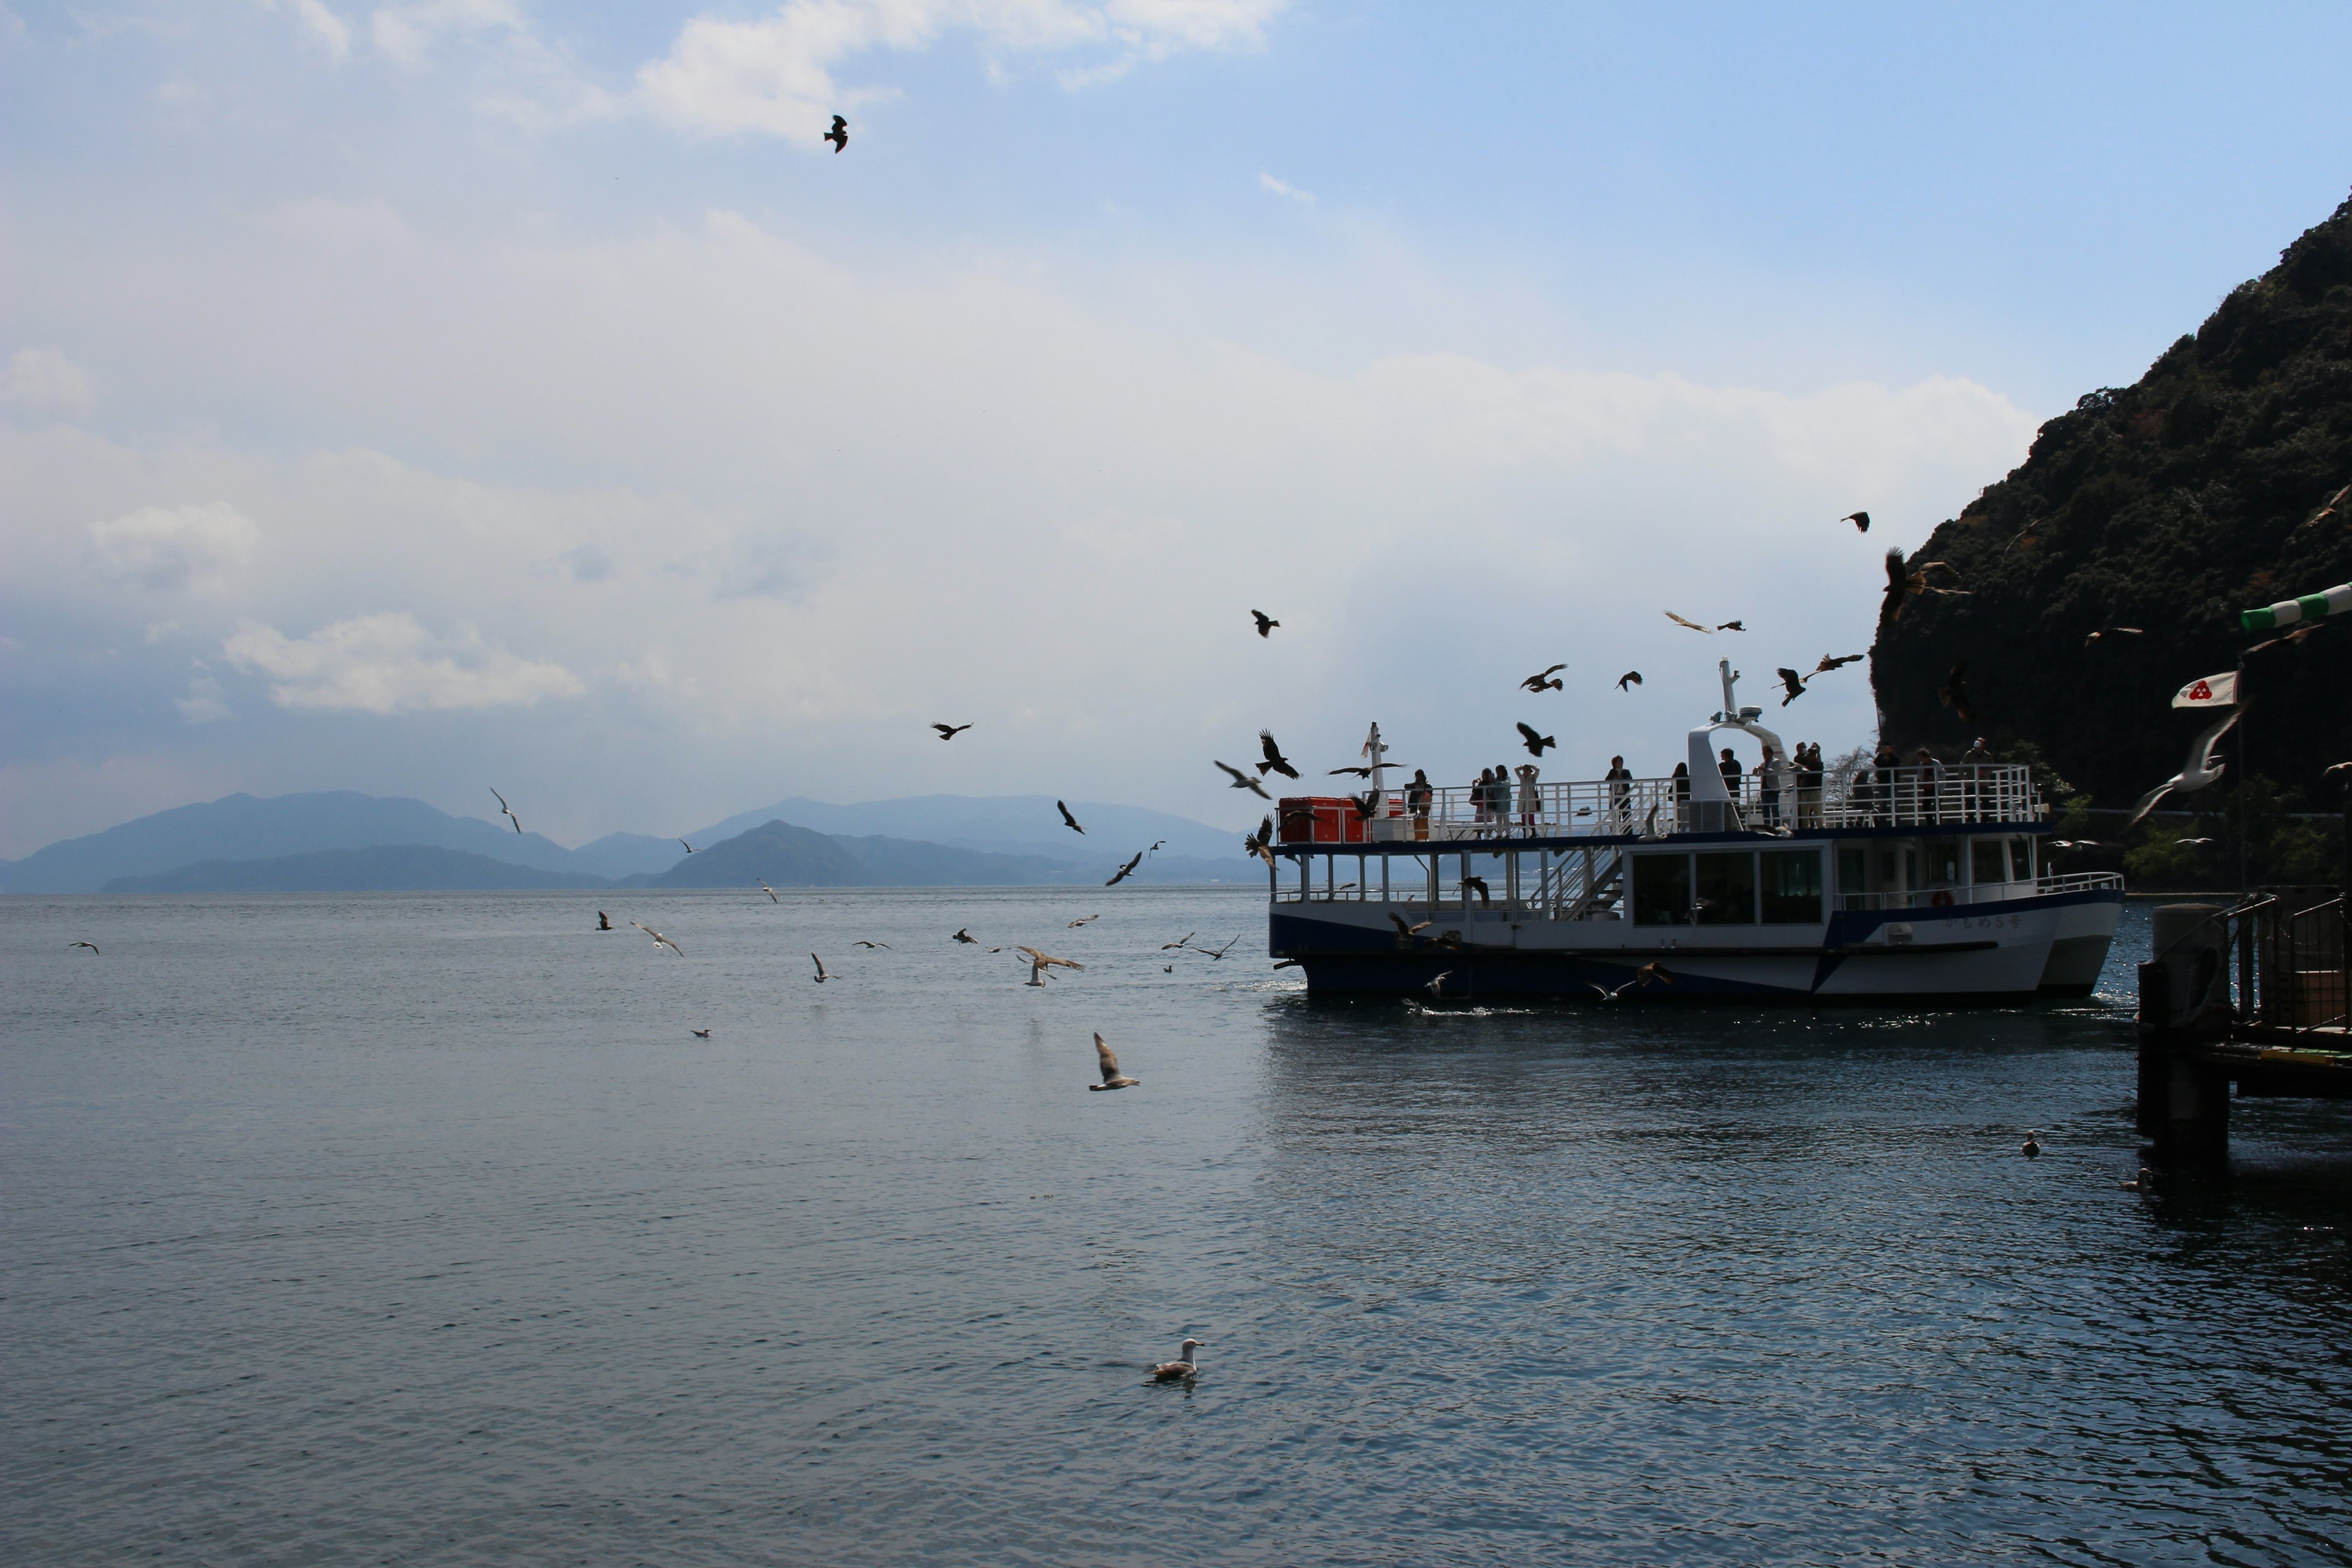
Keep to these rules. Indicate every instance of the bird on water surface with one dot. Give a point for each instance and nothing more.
(701, 1034)
(603, 921)
(2033, 1146)
(963, 935)
(1111, 1076)
(1182, 1367)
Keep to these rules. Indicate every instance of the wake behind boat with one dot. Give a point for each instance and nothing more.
(1913, 885)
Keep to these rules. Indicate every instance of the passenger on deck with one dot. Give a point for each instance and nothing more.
(1930, 786)
(1977, 786)
(1417, 797)
(1767, 788)
(1882, 791)
(1530, 797)
(1621, 793)
(1479, 803)
(1809, 784)
(1682, 797)
(1499, 792)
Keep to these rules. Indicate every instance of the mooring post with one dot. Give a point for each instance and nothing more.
(2184, 1005)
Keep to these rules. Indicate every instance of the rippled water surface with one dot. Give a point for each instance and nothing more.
(415, 1228)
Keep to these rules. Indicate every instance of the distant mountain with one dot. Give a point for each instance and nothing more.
(777, 852)
(619, 855)
(247, 828)
(2169, 506)
(1003, 824)
(383, 867)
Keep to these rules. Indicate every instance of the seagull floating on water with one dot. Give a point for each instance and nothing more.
(2032, 1145)
(603, 921)
(1184, 1367)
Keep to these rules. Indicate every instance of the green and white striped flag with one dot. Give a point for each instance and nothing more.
(2336, 601)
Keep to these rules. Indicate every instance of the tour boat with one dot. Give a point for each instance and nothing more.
(1905, 885)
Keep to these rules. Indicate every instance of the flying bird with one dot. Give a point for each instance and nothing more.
(767, 890)
(1534, 742)
(2334, 768)
(1083, 919)
(2325, 507)
(2201, 770)
(2112, 632)
(1111, 1076)
(2074, 844)
(838, 135)
(1954, 692)
(821, 975)
(1156, 846)
(1537, 683)
(1642, 976)
(1436, 987)
(1218, 952)
(507, 810)
(1829, 664)
(1628, 680)
(949, 731)
(1124, 872)
(689, 848)
(2193, 841)
(1265, 622)
(701, 1034)
(861, 941)
(1861, 521)
(1731, 627)
(962, 935)
(92, 945)
(1261, 843)
(1365, 772)
(1477, 885)
(661, 941)
(1275, 760)
(603, 921)
(1067, 820)
(1692, 625)
(1040, 963)
(1179, 941)
(1244, 781)
(1905, 582)
(1368, 804)
(1793, 684)
(1184, 1367)
(1404, 930)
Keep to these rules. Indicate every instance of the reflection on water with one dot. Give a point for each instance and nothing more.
(422, 1227)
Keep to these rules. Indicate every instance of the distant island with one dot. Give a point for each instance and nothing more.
(345, 841)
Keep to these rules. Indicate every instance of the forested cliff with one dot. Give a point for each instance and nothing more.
(2169, 506)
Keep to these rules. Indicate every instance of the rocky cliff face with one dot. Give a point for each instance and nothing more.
(2169, 505)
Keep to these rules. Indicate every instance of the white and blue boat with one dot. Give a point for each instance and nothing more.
(1904, 885)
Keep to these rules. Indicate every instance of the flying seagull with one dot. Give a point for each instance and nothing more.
(507, 810)
(1040, 963)
(1477, 885)
(661, 941)
(1365, 772)
(2201, 770)
(1275, 760)
(1083, 919)
(1124, 872)
(821, 975)
(1111, 1076)
(1954, 693)
(1265, 622)
(963, 935)
(689, 848)
(1692, 625)
(949, 731)
(767, 890)
(1179, 941)
(1184, 1367)
(1537, 683)
(603, 921)
(1793, 684)
(1067, 820)
(1861, 521)
(1217, 953)
(1404, 930)
(2113, 631)
(1910, 582)
(92, 945)
(1244, 781)
(1436, 987)
(838, 135)
(1628, 680)
(1534, 742)
(1156, 846)
(861, 941)
(1829, 664)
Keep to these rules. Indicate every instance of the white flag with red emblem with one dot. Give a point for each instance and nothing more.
(2213, 691)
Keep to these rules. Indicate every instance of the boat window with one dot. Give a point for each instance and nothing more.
(1986, 861)
(1726, 889)
(1792, 886)
(1853, 877)
(1943, 861)
(1662, 891)
(1890, 870)
(2020, 859)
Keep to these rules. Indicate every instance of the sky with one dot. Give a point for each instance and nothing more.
(424, 397)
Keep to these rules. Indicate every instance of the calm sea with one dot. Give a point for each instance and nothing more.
(421, 1229)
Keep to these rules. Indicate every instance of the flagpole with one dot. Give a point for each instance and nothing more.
(2240, 693)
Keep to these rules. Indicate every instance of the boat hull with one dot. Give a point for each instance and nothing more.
(2013, 951)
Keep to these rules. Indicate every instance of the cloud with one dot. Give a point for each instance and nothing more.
(407, 32)
(43, 381)
(1280, 188)
(390, 664)
(320, 26)
(204, 703)
(775, 76)
(168, 547)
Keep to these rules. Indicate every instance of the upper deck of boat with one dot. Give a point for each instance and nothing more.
(1947, 799)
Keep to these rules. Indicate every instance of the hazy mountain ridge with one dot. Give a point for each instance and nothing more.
(2169, 505)
(220, 846)
(379, 869)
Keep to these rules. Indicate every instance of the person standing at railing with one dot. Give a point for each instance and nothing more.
(1978, 764)
(1417, 797)
(1620, 780)
(1882, 791)
(1809, 784)
(1478, 804)
(1768, 790)
(1499, 792)
(1682, 797)
(1734, 780)
(1928, 784)
(1530, 797)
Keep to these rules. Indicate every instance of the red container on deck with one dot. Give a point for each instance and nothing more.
(1318, 819)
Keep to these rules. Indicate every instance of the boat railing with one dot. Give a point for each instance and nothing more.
(1875, 797)
(1950, 896)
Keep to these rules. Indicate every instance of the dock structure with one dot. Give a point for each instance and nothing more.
(2250, 996)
